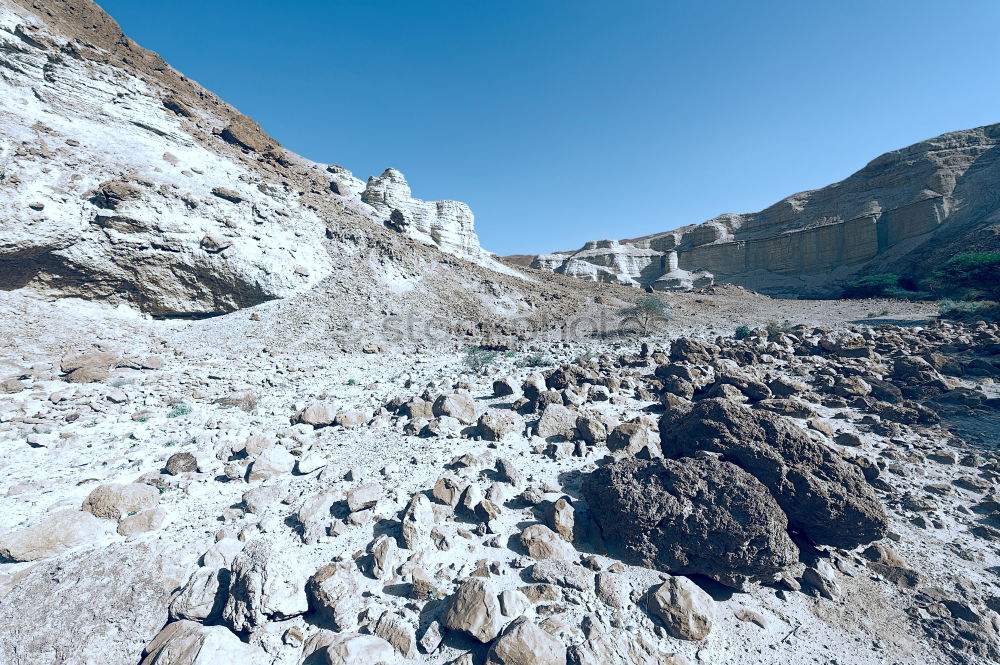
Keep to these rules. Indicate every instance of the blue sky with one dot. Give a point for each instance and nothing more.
(559, 122)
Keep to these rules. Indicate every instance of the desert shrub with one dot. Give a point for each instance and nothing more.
(477, 358)
(978, 272)
(647, 309)
(585, 357)
(871, 286)
(969, 310)
(536, 360)
(246, 400)
(742, 332)
(179, 411)
(884, 285)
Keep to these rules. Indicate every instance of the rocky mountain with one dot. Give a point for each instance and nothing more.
(904, 212)
(124, 180)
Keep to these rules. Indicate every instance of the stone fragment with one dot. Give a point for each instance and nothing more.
(557, 420)
(524, 643)
(823, 495)
(560, 517)
(398, 633)
(685, 609)
(495, 425)
(317, 415)
(447, 490)
(458, 405)
(417, 523)
(273, 462)
(383, 557)
(544, 543)
(147, 520)
(364, 496)
(179, 463)
(475, 610)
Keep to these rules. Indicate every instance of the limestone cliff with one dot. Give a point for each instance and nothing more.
(903, 212)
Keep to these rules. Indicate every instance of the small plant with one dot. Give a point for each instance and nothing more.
(352, 382)
(536, 360)
(182, 410)
(170, 444)
(647, 310)
(509, 354)
(247, 401)
(477, 358)
(585, 357)
(742, 332)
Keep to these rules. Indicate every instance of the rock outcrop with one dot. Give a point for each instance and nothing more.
(445, 224)
(903, 212)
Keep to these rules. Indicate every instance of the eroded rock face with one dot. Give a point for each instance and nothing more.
(903, 212)
(447, 225)
(823, 495)
(690, 516)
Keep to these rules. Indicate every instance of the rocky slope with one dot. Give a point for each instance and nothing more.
(196, 492)
(124, 180)
(904, 212)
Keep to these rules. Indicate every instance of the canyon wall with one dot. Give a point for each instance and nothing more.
(904, 211)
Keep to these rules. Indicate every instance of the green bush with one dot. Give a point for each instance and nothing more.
(477, 358)
(645, 311)
(179, 411)
(742, 332)
(975, 271)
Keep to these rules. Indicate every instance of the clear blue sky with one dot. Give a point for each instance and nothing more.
(560, 122)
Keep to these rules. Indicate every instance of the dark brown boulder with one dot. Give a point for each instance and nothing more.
(825, 497)
(685, 349)
(690, 516)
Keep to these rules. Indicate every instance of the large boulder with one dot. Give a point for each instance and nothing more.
(690, 516)
(114, 501)
(458, 405)
(190, 643)
(53, 535)
(684, 607)
(263, 586)
(824, 496)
